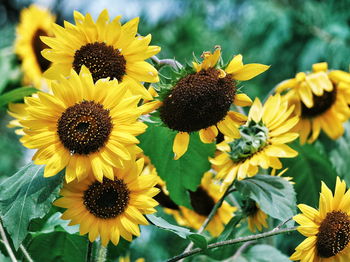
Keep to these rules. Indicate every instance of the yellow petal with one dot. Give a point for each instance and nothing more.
(255, 111)
(208, 135)
(242, 100)
(320, 67)
(280, 151)
(249, 71)
(306, 95)
(180, 145)
(228, 127)
(235, 64)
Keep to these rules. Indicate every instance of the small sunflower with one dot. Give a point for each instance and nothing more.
(83, 127)
(17, 111)
(321, 99)
(262, 142)
(111, 208)
(106, 48)
(201, 100)
(257, 219)
(203, 201)
(34, 23)
(127, 259)
(327, 229)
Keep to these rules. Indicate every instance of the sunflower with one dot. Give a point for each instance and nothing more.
(203, 201)
(82, 126)
(127, 259)
(106, 47)
(321, 100)
(201, 100)
(257, 219)
(111, 208)
(17, 111)
(327, 229)
(262, 142)
(34, 23)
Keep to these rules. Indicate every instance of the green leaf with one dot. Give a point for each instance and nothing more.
(231, 231)
(10, 72)
(16, 94)
(198, 240)
(58, 247)
(182, 232)
(308, 169)
(180, 175)
(54, 224)
(265, 253)
(122, 249)
(274, 195)
(338, 152)
(24, 196)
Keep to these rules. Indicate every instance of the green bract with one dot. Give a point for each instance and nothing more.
(253, 137)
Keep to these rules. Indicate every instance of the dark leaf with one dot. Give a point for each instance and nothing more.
(24, 196)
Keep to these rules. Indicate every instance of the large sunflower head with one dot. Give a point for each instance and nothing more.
(201, 100)
(113, 207)
(262, 142)
(106, 48)
(321, 100)
(202, 202)
(327, 229)
(34, 23)
(82, 126)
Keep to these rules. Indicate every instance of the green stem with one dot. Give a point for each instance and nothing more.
(89, 256)
(170, 62)
(273, 232)
(211, 215)
(25, 253)
(102, 254)
(6, 243)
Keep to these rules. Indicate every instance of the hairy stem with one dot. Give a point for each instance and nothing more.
(25, 253)
(89, 256)
(6, 243)
(233, 241)
(241, 250)
(102, 254)
(171, 62)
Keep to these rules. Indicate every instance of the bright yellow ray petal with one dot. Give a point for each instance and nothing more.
(180, 145)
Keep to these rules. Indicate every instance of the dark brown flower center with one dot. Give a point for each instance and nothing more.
(198, 101)
(108, 199)
(321, 104)
(84, 128)
(201, 202)
(39, 46)
(102, 60)
(164, 200)
(250, 208)
(334, 234)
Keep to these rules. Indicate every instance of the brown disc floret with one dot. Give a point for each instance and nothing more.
(102, 60)
(198, 101)
(108, 199)
(84, 127)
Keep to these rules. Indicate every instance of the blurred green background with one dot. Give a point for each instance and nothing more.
(289, 35)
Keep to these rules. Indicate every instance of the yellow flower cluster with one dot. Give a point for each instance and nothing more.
(88, 121)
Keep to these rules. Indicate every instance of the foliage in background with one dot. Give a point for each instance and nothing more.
(288, 35)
